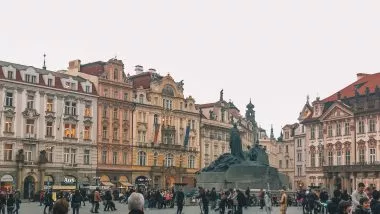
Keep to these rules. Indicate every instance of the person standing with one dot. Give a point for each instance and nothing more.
(136, 203)
(97, 200)
(10, 204)
(48, 201)
(3, 202)
(61, 206)
(17, 201)
(283, 202)
(180, 197)
(357, 195)
(268, 203)
(213, 198)
(261, 198)
(248, 195)
(240, 201)
(204, 199)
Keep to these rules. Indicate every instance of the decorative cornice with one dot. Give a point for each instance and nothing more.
(30, 114)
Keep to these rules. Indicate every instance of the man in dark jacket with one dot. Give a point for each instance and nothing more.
(203, 197)
(213, 198)
(333, 205)
(375, 203)
(241, 201)
(180, 197)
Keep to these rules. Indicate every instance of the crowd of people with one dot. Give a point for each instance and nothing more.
(10, 202)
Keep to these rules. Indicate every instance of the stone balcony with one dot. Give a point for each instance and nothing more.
(358, 167)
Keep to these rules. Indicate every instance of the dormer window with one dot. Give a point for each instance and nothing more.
(73, 86)
(50, 82)
(10, 74)
(87, 89)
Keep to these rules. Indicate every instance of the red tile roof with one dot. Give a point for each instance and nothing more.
(370, 81)
(95, 68)
(142, 79)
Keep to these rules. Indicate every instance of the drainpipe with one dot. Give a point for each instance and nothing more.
(133, 111)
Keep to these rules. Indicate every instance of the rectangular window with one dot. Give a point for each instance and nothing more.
(372, 125)
(104, 157)
(70, 131)
(346, 129)
(86, 157)
(34, 79)
(30, 102)
(299, 170)
(87, 90)
(361, 156)
(49, 129)
(126, 96)
(125, 134)
(29, 127)
(372, 155)
(8, 148)
(114, 158)
(320, 159)
(329, 131)
(348, 157)
(28, 151)
(330, 158)
(105, 134)
(338, 158)
(8, 124)
(49, 105)
(73, 156)
(125, 115)
(87, 111)
(10, 74)
(287, 164)
(361, 127)
(50, 82)
(115, 133)
(338, 129)
(66, 155)
(312, 132)
(116, 94)
(49, 154)
(320, 131)
(280, 164)
(286, 149)
(125, 158)
(86, 134)
(70, 108)
(115, 113)
(299, 142)
(9, 99)
(286, 135)
(27, 78)
(105, 92)
(299, 156)
(312, 160)
(105, 114)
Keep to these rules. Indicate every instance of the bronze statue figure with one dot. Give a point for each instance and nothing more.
(235, 143)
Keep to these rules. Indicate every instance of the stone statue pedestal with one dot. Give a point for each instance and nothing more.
(250, 174)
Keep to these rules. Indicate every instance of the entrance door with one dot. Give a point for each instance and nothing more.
(29, 187)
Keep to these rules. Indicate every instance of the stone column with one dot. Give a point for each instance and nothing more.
(19, 176)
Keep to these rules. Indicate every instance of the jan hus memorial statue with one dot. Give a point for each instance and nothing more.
(240, 169)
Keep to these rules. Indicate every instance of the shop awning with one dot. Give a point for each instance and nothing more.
(107, 183)
(125, 184)
(57, 187)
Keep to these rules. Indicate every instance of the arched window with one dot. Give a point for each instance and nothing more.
(115, 74)
(155, 158)
(155, 119)
(141, 98)
(169, 160)
(141, 158)
(191, 161)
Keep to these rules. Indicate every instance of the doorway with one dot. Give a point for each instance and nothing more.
(29, 187)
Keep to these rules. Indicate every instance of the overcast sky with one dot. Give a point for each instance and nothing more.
(275, 52)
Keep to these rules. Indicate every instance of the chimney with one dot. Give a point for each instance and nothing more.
(74, 65)
(152, 70)
(139, 69)
(361, 75)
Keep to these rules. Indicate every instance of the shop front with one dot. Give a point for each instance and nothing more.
(123, 182)
(48, 182)
(142, 183)
(105, 182)
(7, 183)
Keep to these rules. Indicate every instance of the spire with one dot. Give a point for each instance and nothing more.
(44, 66)
(307, 99)
(271, 132)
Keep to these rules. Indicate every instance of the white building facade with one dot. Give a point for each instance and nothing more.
(48, 129)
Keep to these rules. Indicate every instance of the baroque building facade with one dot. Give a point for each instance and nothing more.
(115, 111)
(270, 145)
(165, 131)
(342, 135)
(217, 120)
(48, 129)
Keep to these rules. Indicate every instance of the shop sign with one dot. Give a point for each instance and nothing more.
(6, 178)
(69, 180)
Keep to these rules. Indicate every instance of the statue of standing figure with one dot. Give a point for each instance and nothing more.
(235, 143)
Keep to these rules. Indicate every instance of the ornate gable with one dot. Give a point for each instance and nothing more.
(306, 112)
(337, 111)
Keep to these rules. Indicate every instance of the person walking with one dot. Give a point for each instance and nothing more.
(241, 200)
(268, 203)
(261, 199)
(97, 200)
(283, 202)
(76, 201)
(204, 200)
(3, 203)
(61, 206)
(180, 197)
(213, 198)
(48, 200)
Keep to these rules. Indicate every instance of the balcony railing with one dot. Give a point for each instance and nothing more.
(358, 167)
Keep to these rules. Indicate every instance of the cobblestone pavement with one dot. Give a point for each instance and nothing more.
(34, 208)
